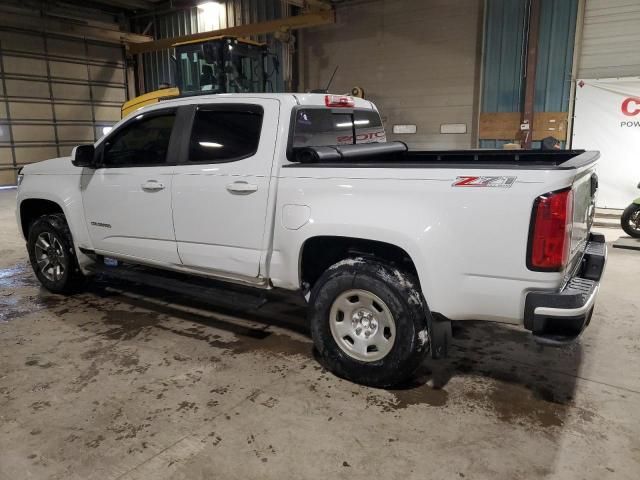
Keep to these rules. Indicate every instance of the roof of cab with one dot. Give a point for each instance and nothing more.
(313, 99)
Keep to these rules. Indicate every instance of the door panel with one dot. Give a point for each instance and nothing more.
(126, 219)
(127, 200)
(219, 205)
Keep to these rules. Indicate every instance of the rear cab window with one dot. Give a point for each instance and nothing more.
(319, 127)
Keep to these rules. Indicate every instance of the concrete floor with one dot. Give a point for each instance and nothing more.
(118, 383)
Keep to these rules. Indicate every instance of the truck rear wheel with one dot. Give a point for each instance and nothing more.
(368, 322)
(52, 255)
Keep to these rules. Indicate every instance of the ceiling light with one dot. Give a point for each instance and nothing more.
(210, 15)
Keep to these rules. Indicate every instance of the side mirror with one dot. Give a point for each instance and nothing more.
(83, 156)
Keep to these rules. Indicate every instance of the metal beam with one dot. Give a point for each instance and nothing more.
(127, 4)
(530, 73)
(323, 17)
(310, 4)
(71, 28)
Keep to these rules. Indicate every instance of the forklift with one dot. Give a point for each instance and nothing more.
(220, 64)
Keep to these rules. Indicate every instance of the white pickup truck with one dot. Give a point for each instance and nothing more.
(302, 192)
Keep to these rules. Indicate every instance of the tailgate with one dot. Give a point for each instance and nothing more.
(585, 187)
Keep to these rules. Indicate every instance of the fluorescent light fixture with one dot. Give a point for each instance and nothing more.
(210, 15)
(346, 124)
(106, 130)
(362, 122)
(209, 6)
(210, 144)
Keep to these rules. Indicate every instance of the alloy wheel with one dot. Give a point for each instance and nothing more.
(50, 256)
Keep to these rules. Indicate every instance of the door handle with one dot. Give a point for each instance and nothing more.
(242, 188)
(152, 186)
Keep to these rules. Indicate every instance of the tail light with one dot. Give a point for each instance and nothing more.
(550, 238)
(340, 101)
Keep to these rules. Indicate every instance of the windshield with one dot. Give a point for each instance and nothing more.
(198, 75)
(244, 69)
(317, 127)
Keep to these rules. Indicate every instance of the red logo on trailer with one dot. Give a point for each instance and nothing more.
(631, 106)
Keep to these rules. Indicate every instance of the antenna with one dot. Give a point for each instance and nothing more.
(325, 90)
(331, 80)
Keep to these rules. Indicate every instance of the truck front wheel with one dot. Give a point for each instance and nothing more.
(368, 322)
(52, 255)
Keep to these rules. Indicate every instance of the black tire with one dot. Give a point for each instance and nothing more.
(631, 215)
(71, 278)
(404, 301)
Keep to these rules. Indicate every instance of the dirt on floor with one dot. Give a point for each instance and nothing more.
(127, 382)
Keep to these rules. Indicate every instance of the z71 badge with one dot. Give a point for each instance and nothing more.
(491, 182)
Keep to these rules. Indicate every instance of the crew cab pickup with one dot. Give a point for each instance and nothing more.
(303, 192)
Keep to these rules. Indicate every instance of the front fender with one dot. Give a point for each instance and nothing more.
(63, 190)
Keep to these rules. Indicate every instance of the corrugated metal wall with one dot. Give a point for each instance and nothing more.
(611, 39)
(555, 55)
(418, 60)
(158, 66)
(504, 57)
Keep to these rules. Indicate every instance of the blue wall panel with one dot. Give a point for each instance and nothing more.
(504, 57)
(555, 55)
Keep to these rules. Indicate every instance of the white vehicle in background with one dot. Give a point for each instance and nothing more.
(271, 191)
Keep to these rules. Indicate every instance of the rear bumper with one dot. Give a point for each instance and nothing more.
(558, 318)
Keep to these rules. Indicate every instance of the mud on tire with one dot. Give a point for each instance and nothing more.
(388, 289)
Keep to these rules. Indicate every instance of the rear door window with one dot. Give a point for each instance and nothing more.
(225, 134)
(315, 127)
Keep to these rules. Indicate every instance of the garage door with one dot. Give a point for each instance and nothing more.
(55, 92)
(610, 39)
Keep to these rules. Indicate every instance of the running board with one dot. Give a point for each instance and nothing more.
(208, 291)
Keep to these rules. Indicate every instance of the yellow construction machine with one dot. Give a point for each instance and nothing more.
(219, 64)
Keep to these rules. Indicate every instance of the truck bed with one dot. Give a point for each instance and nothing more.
(397, 155)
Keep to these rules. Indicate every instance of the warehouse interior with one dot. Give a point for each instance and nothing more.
(458, 79)
(125, 380)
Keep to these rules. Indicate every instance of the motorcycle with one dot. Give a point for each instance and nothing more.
(630, 219)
